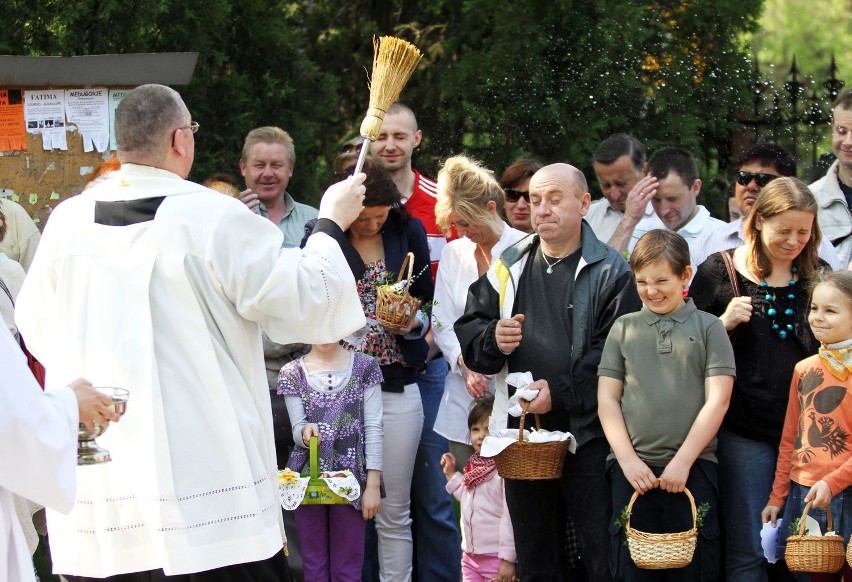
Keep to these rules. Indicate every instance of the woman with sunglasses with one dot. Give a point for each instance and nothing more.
(469, 199)
(760, 292)
(516, 185)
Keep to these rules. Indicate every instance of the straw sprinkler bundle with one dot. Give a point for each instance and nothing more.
(394, 60)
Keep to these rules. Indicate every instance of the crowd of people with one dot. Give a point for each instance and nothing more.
(682, 352)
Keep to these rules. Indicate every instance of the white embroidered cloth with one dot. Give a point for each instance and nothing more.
(293, 493)
(343, 483)
(493, 445)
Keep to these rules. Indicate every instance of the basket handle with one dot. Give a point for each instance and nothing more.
(409, 261)
(829, 522)
(523, 418)
(635, 496)
(314, 456)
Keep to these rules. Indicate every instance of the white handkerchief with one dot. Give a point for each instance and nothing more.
(515, 408)
(768, 538)
(519, 380)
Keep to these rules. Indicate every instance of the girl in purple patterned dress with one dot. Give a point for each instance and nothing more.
(335, 394)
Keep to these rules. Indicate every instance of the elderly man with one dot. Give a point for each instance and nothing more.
(267, 164)
(546, 306)
(834, 190)
(157, 284)
(756, 167)
(675, 204)
(619, 164)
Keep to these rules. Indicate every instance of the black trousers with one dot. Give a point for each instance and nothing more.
(538, 526)
(274, 569)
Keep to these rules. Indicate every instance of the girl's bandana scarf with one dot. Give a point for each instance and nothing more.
(837, 360)
(478, 470)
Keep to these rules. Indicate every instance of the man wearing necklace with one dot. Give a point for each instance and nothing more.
(546, 306)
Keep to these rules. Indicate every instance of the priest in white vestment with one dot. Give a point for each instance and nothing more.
(156, 284)
(39, 453)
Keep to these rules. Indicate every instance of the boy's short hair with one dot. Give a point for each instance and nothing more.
(480, 409)
(661, 245)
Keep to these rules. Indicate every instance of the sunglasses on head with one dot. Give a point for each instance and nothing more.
(515, 195)
(745, 178)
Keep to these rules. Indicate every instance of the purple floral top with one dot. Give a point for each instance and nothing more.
(339, 415)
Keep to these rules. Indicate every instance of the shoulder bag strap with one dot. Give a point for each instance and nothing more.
(6, 289)
(732, 272)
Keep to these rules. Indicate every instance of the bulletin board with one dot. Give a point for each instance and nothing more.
(39, 179)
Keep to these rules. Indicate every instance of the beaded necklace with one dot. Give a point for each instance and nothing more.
(789, 312)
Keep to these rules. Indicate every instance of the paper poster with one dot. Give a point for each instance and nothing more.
(88, 110)
(12, 133)
(115, 97)
(44, 113)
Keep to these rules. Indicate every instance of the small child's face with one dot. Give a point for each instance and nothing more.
(660, 288)
(478, 432)
(831, 314)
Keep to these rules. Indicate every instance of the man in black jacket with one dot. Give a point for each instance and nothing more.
(546, 306)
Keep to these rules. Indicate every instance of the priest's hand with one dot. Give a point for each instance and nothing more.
(344, 201)
(95, 407)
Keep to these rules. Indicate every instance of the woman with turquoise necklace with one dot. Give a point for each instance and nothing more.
(760, 292)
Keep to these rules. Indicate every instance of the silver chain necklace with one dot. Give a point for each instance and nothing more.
(551, 265)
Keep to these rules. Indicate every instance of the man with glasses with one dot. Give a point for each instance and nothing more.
(153, 283)
(267, 164)
(834, 190)
(619, 164)
(756, 167)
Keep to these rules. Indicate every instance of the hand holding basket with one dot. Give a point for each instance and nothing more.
(394, 306)
(529, 461)
(823, 554)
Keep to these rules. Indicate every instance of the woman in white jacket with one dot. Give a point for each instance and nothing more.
(469, 199)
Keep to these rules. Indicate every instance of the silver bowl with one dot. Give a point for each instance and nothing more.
(88, 451)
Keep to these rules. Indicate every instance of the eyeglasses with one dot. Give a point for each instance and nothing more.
(745, 178)
(515, 195)
(193, 127)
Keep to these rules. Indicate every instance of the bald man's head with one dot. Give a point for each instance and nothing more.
(559, 199)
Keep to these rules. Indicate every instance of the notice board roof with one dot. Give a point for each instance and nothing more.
(115, 70)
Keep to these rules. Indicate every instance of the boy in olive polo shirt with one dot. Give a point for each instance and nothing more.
(664, 382)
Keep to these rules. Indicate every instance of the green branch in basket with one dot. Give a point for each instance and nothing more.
(621, 521)
(700, 513)
(794, 527)
(426, 308)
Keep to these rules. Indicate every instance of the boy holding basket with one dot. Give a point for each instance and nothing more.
(665, 379)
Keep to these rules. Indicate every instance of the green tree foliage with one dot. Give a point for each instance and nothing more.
(498, 79)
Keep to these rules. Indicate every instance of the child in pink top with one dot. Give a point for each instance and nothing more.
(488, 542)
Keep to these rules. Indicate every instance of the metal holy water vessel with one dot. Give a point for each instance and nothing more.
(88, 451)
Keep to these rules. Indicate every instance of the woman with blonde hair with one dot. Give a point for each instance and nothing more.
(760, 292)
(469, 200)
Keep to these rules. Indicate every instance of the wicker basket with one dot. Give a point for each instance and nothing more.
(849, 554)
(394, 310)
(318, 491)
(526, 461)
(820, 554)
(659, 551)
